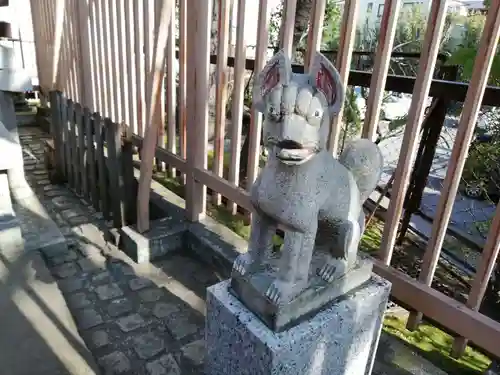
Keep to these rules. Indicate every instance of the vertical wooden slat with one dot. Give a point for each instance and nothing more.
(155, 80)
(113, 57)
(159, 116)
(146, 45)
(182, 77)
(198, 65)
(409, 144)
(343, 63)
(90, 159)
(256, 117)
(170, 92)
(101, 166)
(63, 74)
(129, 182)
(139, 66)
(39, 41)
(84, 51)
(287, 25)
(387, 32)
(315, 31)
(82, 170)
(113, 139)
(94, 52)
(107, 57)
(58, 55)
(221, 93)
(73, 156)
(130, 67)
(237, 102)
(65, 139)
(55, 108)
(122, 63)
(100, 57)
(472, 105)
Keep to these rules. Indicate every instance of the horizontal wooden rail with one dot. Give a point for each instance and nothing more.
(163, 155)
(232, 192)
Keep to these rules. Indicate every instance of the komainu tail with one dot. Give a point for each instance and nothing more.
(364, 159)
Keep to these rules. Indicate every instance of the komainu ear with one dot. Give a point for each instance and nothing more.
(325, 78)
(278, 71)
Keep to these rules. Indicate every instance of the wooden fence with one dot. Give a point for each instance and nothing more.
(109, 57)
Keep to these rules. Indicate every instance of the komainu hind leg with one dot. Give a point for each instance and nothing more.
(343, 254)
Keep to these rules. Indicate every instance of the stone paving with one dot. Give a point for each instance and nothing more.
(139, 319)
(135, 319)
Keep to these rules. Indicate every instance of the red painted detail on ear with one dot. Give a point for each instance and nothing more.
(271, 79)
(326, 84)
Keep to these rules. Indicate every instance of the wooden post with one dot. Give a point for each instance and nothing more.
(198, 59)
(90, 160)
(82, 171)
(113, 140)
(101, 166)
(57, 124)
(72, 155)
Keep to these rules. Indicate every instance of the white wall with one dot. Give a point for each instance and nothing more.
(18, 13)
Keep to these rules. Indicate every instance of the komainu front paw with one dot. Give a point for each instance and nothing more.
(274, 291)
(242, 264)
(333, 270)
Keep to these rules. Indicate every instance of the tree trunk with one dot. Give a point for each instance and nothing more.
(301, 24)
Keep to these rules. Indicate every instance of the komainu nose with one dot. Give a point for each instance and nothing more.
(288, 144)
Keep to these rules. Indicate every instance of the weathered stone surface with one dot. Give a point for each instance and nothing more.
(195, 352)
(338, 341)
(66, 257)
(65, 270)
(131, 322)
(148, 345)
(165, 236)
(71, 284)
(78, 300)
(181, 324)
(88, 318)
(164, 365)
(108, 291)
(318, 295)
(87, 266)
(150, 295)
(101, 277)
(99, 339)
(139, 283)
(162, 310)
(115, 363)
(317, 197)
(119, 307)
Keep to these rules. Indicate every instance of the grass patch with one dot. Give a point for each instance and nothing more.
(435, 345)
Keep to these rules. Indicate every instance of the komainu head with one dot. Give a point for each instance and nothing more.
(297, 108)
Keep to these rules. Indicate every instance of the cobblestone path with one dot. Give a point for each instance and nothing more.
(135, 319)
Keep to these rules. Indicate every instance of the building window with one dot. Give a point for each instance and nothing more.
(380, 10)
(369, 9)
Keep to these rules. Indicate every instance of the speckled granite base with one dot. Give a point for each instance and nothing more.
(340, 340)
(165, 235)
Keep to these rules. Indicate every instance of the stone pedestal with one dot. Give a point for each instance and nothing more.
(340, 340)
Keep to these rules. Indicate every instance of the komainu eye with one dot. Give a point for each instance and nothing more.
(273, 113)
(317, 113)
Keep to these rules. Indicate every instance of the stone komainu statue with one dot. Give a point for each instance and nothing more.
(317, 198)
